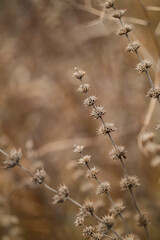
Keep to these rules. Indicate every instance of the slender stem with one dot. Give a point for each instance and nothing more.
(68, 198)
(139, 57)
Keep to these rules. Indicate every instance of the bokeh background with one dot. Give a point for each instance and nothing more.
(41, 112)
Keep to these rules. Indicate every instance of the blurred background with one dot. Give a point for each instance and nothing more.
(42, 113)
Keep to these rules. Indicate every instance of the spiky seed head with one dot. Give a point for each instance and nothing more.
(13, 158)
(88, 206)
(98, 112)
(106, 128)
(119, 13)
(103, 188)
(39, 177)
(132, 47)
(109, 4)
(62, 194)
(84, 160)
(130, 182)
(117, 208)
(143, 220)
(143, 66)
(98, 236)
(153, 93)
(90, 101)
(78, 148)
(92, 173)
(79, 74)
(125, 29)
(88, 231)
(83, 88)
(118, 153)
(108, 220)
(79, 221)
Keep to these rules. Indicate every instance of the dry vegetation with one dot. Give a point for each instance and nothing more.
(43, 116)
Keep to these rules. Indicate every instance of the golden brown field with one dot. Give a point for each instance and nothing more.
(42, 113)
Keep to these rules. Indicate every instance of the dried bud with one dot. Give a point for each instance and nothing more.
(88, 231)
(132, 47)
(39, 176)
(13, 158)
(130, 182)
(154, 93)
(106, 129)
(108, 220)
(103, 188)
(79, 221)
(125, 29)
(143, 220)
(118, 153)
(62, 194)
(83, 88)
(118, 13)
(143, 66)
(79, 74)
(92, 172)
(117, 208)
(98, 112)
(90, 101)
(88, 205)
(78, 149)
(109, 3)
(98, 236)
(84, 160)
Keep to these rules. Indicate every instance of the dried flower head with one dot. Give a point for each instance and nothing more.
(109, 3)
(62, 194)
(143, 66)
(78, 148)
(88, 206)
(13, 158)
(92, 173)
(98, 236)
(103, 188)
(98, 112)
(39, 176)
(79, 221)
(106, 129)
(119, 13)
(154, 93)
(79, 74)
(84, 160)
(90, 101)
(130, 182)
(101, 228)
(108, 220)
(143, 220)
(158, 127)
(88, 231)
(132, 47)
(83, 88)
(117, 208)
(118, 153)
(125, 29)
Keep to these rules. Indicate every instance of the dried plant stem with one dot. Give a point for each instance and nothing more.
(139, 57)
(125, 172)
(110, 199)
(71, 200)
